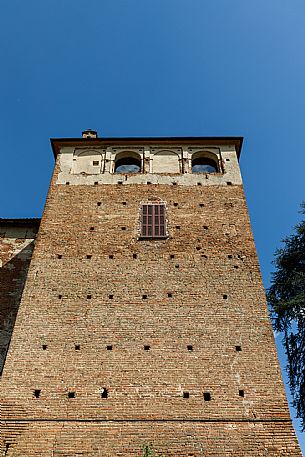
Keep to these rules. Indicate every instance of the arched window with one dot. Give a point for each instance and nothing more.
(204, 164)
(127, 163)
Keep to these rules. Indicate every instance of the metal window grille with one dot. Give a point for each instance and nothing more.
(153, 220)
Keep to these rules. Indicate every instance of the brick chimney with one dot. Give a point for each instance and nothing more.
(89, 134)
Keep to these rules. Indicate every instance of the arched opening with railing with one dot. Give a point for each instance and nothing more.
(205, 162)
(127, 162)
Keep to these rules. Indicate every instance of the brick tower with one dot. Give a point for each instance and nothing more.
(143, 317)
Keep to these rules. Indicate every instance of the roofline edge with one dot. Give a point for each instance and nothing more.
(236, 140)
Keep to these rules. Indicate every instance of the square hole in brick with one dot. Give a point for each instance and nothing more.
(59, 256)
(111, 256)
(241, 393)
(189, 347)
(60, 297)
(229, 183)
(186, 395)
(230, 256)
(148, 183)
(201, 205)
(111, 297)
(172, 256)
(238, 348)
(67, 183)
(91, 228)
(123, 228)
(169, 295)
(236, 267)
(99, 203)
(199, 184)
(88, 256)
(134, 256)
(198, 248)
(89, 296)
(37, 393)
(225, 297)
(205, 227)
(95, 183)
(120, 182)
(104, 392)
(96, 163)
(44, 347)
(175, 204)
(77, 347)
(174, 183)
(124, 203)
(109, 347)
(71, 394)
(207, 396)
(178, 227)
(144, 297)
(146, 347)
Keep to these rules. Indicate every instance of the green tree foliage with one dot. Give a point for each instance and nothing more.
(286, 298)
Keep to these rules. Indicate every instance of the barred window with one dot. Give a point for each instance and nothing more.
(153, 220)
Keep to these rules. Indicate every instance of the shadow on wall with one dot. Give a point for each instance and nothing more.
(13, 274)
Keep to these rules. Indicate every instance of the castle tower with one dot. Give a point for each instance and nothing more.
(143, 317)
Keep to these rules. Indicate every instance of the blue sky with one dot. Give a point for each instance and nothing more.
(161, 67)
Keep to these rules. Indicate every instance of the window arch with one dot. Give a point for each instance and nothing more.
(127, 162)
(88, 162)
(166, 161)
(205, 162)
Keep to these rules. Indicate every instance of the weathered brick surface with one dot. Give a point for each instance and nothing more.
(16, 246)
(111, 439)
(217, 303)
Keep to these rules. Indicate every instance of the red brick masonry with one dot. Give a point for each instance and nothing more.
(83, 323)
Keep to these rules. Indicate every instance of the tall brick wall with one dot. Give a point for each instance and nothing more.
(16, 247)
(158, 324)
